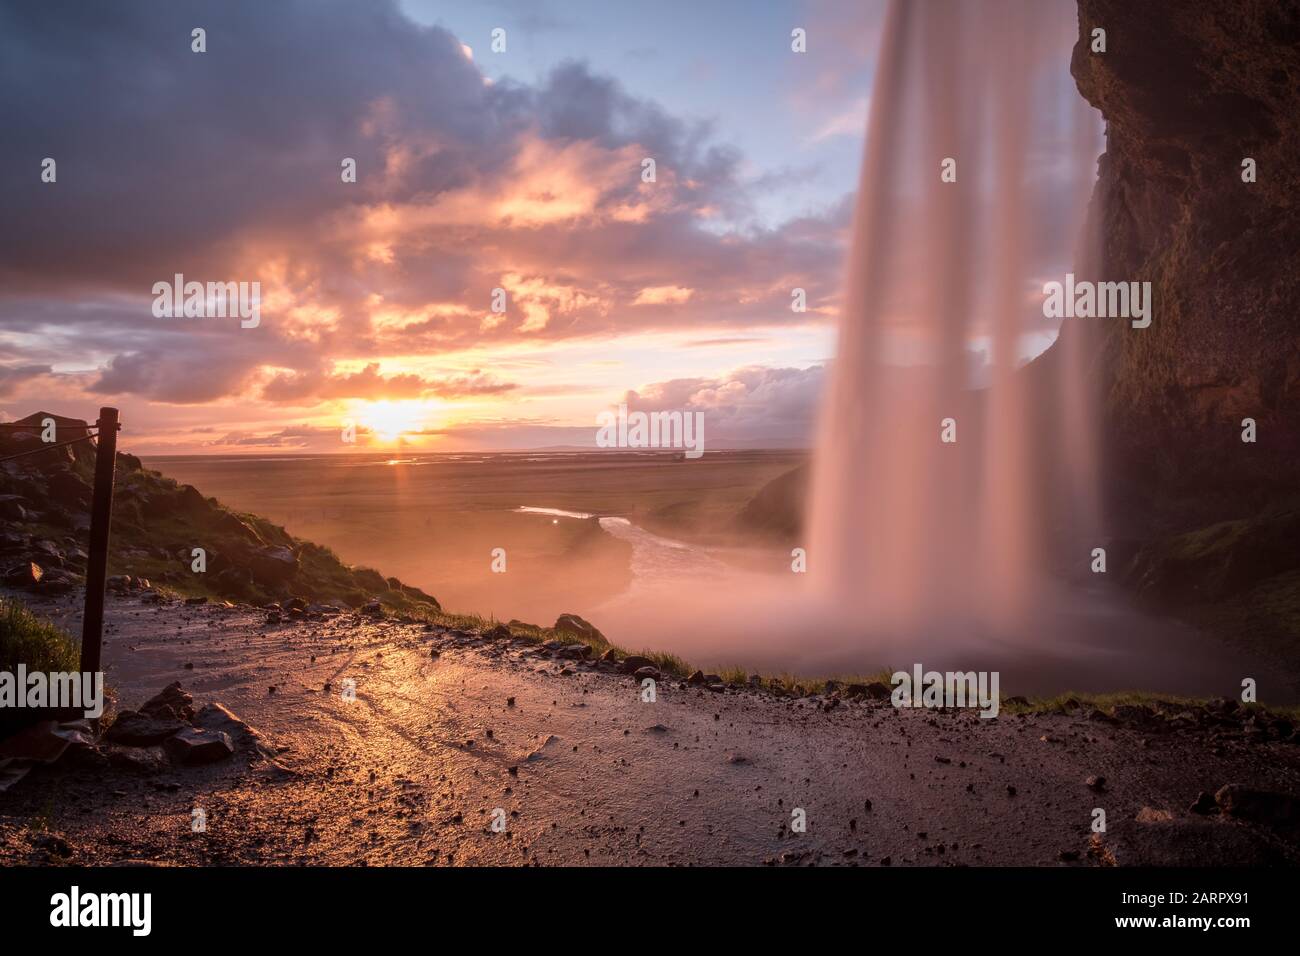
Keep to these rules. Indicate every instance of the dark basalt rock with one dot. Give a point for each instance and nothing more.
(193, 746)
(1189, 88)
(171, 702)
(573, 624)
(135, 729)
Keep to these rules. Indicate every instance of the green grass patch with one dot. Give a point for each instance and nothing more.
(34, 642)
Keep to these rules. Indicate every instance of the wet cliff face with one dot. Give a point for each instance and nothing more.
(1189, 89)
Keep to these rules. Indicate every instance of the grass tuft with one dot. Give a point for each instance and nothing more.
(36, 643)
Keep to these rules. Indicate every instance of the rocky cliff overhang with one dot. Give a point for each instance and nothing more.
(1190, 89)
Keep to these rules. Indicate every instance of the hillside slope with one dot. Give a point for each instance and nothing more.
(157, 526)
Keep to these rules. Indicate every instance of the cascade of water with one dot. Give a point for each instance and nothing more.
(979, 160)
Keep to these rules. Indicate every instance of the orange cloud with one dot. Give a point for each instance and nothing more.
(663, 295)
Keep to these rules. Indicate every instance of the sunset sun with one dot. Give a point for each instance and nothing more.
(390, 421)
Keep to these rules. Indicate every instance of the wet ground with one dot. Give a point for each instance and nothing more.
(446, 728)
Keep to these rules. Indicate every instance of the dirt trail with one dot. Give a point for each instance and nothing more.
(411, 771)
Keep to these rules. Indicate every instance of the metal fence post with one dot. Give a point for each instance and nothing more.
(101, 515)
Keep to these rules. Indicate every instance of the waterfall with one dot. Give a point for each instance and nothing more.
(942, 309)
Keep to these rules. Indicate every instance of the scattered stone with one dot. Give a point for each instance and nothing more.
(134, 729)
(25, 575)
(137, 760)
(193, 746)
(171, 702)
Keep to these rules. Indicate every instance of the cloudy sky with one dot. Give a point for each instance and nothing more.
(476, 170)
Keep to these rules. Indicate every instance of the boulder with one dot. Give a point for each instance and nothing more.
(25, 575)
(216, 717)
(234, 580)
(573, 624)
(134, 729)
(48, 553)
(59, 581)
(171, 702)
(633, 663)
(193, 746)
(69, 491)
(274, 566)
(146, 760)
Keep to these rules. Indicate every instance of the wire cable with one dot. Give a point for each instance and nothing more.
(48, 447)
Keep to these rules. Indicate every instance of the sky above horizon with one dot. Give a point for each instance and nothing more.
(477, 170)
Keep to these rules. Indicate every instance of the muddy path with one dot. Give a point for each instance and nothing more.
(448, 727)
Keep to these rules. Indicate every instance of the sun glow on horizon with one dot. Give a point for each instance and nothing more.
(391, 421)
